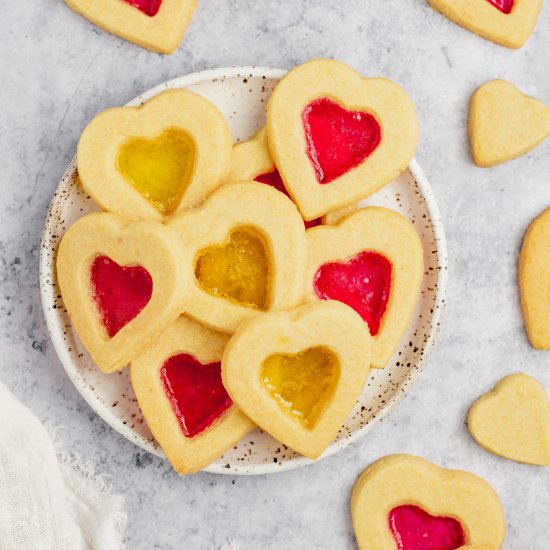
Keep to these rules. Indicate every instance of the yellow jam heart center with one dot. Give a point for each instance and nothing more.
(160, 169)
(302, 384)
(237, 271)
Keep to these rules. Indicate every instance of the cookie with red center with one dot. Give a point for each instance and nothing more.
(157, 25)
(337, 137)
(372, 261)
(178, 384)
(121, 284)
(505, 22)
(404, 502)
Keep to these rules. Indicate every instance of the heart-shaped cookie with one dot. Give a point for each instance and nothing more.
(157, 25)
(513, 420)
(244, 250)
(404, 502)
(337, 137)
(121, 284)
(372, 261)
(179, 389)
(299, 373)
(504, 124)
(506, 22)
(151, 161)
(534, 274)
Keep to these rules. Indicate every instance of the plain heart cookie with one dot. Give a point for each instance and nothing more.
(121, 284)
(513, 420)
(299, 373)
(506, 22)
(244, 251)
(337, 137)
(151, 161)
(373, 261)
(179, 388)
(157, 25)
(403, 502)
(504, 124)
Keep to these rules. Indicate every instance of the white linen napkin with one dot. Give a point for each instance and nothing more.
(50, 500)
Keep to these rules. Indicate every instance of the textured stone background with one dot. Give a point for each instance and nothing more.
(58, 71)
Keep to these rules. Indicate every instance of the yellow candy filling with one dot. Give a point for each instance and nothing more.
(160, 169)
(238, 270)
(302, 384)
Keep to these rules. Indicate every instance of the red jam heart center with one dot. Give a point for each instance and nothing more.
(120, 293)
(415, 529)
(337, 139)
(274, 180)
(196, 392)
(505, 6)
(362, 282)
(148, 7)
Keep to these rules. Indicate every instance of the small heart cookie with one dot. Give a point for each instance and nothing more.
(504, 124)
(372, 261)
(179, 388)
(158, 25)
(148, 162)
(534, 275)
(121, 284)
(244, 251)
(299, 373)
(505, 22)
(337, 137)
(404, 502)
(513, 420)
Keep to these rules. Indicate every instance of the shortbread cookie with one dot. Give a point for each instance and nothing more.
(534, 274)
(244, 250)
(372, 261)
(504, 124)
(513, 420)
(157, 25)
(121, 284)
(148, 162)
(299, 373)
(337, 137)
(179, 388)
(506, 22)
(404, 502)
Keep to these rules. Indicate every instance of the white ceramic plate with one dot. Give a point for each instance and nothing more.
(242, 94)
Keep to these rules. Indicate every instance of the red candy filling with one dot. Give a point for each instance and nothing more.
(415, 529)
(362, 282)
(148, 7)
(337, 139)
(196, 392)
(274, 180)
(505, 6)
(120, 293)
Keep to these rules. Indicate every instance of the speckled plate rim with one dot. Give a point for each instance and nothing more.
(47, 270)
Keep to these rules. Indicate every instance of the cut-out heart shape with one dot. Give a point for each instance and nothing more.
(160, 169)
(245, 246)
(121, 284)
(328, 124)
(158, 25)
(362, 282)
(505, 22)
(504, 124)
(237, 271)
(316, 357)
(119, 292)
(178, 385)
(415, 529)
(404, 502)
(372, 261)
(150, 161)
(513, 420)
